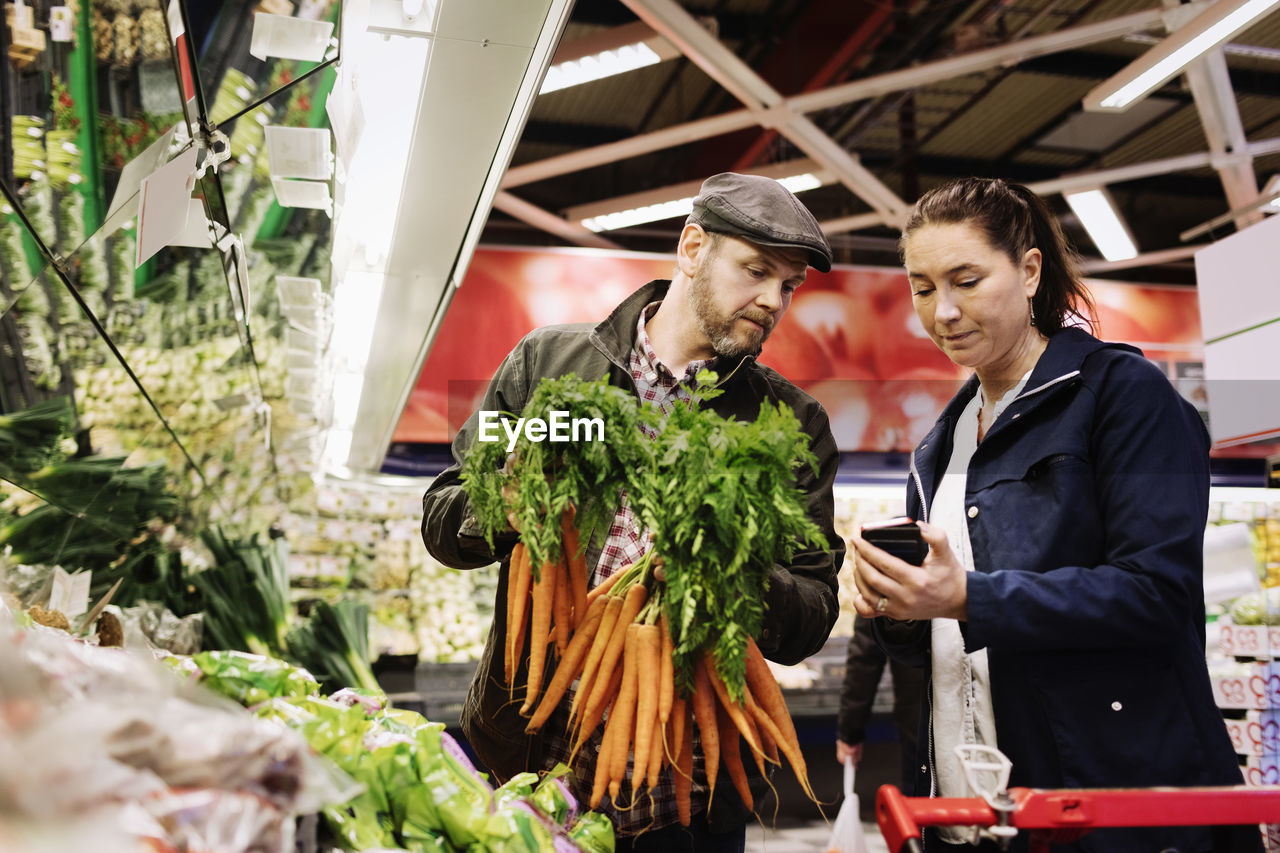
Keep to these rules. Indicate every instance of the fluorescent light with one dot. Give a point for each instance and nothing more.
(598, 66)
(1099, 217)
(1272, 188)
(1219, 22)
(800, 183)
(637, 215)
(678, 207)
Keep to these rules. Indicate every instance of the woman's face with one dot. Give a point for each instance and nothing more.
(969, 296)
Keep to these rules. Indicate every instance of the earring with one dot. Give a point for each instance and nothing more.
(1032, 308)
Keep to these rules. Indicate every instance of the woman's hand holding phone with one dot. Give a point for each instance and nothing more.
(907, 570)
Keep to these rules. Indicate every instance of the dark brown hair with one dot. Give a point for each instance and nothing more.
(1014, 220)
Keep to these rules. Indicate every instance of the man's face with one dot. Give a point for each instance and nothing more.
(740, 291)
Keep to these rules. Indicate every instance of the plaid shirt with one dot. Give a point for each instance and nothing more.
(625, 544)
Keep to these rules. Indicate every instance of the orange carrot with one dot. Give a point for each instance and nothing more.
(607, 584)
(624, 708)
(762, 755)
(666, 684)
(655, 756)
(731, 755)
(518, 580)
(679, 716)
(704, 713)
(603, 763)
(767, 741)
(604, 632)
(577, 566)
(544, 594)
(773, 709)
(568, 668)
(764, 687)
(631, 605)
(648, 654)
(562, 607)
(791, 749)
(684, 772)
(590, 721)
(735, 709)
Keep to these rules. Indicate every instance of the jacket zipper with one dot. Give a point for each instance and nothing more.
(915, 478)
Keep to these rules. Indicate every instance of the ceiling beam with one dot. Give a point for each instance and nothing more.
(1013, 53)
(1220, 116)
(1146, 259)
(766, 103)
(981, 60)
(816, 23)
(571, 232)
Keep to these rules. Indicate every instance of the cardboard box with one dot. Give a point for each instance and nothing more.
(1254, 686)
(1257, 641)
(1257, 734)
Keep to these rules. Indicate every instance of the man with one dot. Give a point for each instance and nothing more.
(741, 255)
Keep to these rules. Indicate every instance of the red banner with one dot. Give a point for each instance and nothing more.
(851, 338)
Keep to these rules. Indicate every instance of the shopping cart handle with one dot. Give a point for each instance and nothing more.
(897, 825)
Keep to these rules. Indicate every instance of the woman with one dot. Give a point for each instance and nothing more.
(1064, 492)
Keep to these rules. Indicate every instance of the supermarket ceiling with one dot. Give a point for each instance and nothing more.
(880, 100)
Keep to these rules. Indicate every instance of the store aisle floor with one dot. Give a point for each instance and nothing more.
(805, 838)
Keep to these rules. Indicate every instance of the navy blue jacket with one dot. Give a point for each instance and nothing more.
(1086, 505)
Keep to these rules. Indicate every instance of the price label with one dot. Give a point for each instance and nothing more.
(70, 595)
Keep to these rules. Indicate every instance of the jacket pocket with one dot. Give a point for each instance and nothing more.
(1129, 729)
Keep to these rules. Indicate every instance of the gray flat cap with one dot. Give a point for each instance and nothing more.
(762, 211)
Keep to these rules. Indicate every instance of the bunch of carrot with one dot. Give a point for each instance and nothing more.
(615, 642)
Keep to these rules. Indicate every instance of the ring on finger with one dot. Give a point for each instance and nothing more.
(882, 604)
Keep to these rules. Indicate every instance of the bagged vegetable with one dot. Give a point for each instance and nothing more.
(252, 679)
(519, 786)
(554, 798)
(593, 833)
(452, 796)
(518, 828)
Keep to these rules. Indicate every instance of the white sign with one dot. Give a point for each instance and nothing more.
(70, 595)
(165, 204)
(289, 38)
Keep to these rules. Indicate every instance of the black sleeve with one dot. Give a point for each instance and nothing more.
(449, 527)
(864, 666)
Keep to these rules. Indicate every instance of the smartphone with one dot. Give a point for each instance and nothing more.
(898, 536)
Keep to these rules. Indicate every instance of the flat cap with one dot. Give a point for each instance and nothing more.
(760, 210)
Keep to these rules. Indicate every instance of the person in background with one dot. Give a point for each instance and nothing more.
(1063, 494)
(864, 666)
(741, 255)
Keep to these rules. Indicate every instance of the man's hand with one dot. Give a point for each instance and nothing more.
(845, 750)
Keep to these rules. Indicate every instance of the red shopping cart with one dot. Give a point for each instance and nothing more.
(1059, 816)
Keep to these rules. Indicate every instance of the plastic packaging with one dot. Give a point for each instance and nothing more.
(846, 832)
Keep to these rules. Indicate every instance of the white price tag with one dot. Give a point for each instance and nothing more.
(70, 595)
(165, 204)
(289, 38)
(62, 24)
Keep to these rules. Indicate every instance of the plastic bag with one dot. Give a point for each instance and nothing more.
(846, 832)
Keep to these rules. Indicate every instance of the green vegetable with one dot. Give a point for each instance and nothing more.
(334, 644)
(549, 477)
(724, 508)
(1257, 608)
(554, 799)
(593, 833)
(246, 594)
(30, 438)
(252, 679)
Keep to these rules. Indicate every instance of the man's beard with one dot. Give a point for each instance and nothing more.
(720, 330)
